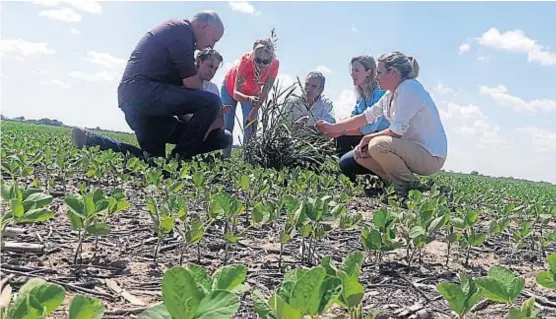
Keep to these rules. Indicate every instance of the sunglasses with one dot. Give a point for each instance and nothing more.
(261, 61)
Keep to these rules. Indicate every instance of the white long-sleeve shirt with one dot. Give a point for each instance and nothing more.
(413, 115)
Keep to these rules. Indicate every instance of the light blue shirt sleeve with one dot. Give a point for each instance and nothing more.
(328, 112)
(381, 123)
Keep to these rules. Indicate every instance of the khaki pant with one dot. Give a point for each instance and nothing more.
(395, 160)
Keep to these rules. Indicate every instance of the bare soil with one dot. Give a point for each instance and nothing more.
(125, 256)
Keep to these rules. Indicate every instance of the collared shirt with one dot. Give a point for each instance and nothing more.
(363, 104)
(413, 115)
(322, 109)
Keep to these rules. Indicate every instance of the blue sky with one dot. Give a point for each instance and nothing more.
(491, 66)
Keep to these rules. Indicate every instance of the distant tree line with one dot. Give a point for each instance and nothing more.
(43, 121)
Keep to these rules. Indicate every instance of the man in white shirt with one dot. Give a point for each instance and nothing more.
(208, 61)
(313, 107)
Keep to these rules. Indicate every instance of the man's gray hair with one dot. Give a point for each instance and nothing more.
(317, 75)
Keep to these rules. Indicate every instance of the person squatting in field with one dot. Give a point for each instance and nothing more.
(164, 93)
(249, 82)
(304, 112)
(415, 140)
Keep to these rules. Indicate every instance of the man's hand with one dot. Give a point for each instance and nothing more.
(362, 149)
(327, 129)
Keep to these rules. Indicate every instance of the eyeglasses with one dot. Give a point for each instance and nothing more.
(261, 61)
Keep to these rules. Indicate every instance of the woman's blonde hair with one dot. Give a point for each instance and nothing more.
(407, 65)
(370, 84)
(264, 44)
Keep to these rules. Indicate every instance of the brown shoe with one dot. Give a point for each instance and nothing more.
(79, 137)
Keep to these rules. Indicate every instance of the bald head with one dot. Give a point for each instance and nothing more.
(208, 29)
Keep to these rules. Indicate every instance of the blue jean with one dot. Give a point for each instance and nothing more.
(229, 118)
(150, 107)
(348, 165)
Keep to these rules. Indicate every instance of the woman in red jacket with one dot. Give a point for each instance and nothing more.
(249, 83)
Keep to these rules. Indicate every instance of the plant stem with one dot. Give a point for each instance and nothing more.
(199, 252)
(448, 253)
(181, 253)
(156, 248)
(79, 243)
(227, 244)
(280, 258)
(302, 249)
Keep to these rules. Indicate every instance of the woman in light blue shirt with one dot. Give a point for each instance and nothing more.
(363, 73)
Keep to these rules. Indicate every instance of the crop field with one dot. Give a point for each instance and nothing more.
(94, 234)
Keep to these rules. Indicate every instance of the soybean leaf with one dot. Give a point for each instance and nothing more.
(306, 292)
(219, 304)
(229, 277)
(180, 293)
(84, 307)
(453, 295)
(156, 312)
(201, 277)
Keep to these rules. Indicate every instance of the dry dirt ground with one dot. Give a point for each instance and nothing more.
(124, 259)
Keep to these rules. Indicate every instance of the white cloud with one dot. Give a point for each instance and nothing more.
(56, 83)
(354, 28)
(470, 122)
(442, 89)
(323, 69)
(243, 6)
(88, 6)
(19, 48)
(104, 59)
(502, 97)
(344, 104)
(464, 48)
(41, 72)
(517, 41)
(95, 77)
(74, 31)
(542, 140)
(484, 58)
(64, 14)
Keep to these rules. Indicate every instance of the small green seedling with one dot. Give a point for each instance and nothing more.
(190, 293)
(501, 285)
(547, 278)
(463, 297)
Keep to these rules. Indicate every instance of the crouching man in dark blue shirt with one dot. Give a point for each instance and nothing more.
(160, 85)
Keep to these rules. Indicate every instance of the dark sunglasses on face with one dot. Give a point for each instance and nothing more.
(261, 61)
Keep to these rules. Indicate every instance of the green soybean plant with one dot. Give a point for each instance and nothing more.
(547, 278)
(380, 236)
(38, 299)
(190, 293)
(25, 205)
(462, 297)
(501, 285)
(353, 291)
(87, 215)
(303, 292)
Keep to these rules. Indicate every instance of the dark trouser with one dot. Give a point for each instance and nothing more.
(150, 109)
(348, 165)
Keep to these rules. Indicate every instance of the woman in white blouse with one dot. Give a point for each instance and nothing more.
(415, 141)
